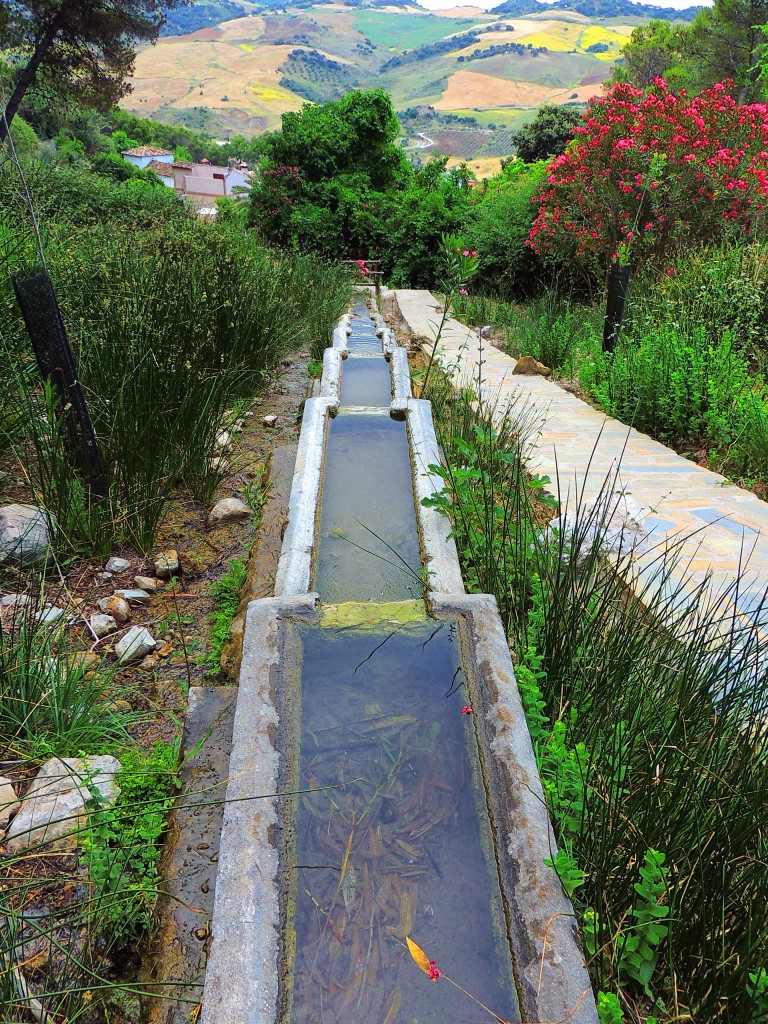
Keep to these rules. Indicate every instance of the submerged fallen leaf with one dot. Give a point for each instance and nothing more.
(392, 1005)
(418, 955)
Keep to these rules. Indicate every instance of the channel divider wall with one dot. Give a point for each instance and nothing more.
(242, 984)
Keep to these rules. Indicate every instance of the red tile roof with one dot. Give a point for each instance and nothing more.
(147, 151)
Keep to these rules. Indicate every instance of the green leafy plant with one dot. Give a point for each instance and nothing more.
(640, 942)
(122, 842)
(226, 594)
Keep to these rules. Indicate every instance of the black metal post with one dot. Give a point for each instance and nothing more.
(618, 283)
(42, 317)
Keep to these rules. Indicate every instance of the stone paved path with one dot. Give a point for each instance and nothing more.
(716, 525)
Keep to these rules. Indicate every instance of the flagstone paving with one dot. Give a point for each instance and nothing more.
(717, 526)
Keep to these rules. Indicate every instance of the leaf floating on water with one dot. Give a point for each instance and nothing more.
(392, 1005)
(418, 955)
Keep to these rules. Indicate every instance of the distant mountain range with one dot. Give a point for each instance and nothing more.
(596, 9)
(462, 81)
(207, 13)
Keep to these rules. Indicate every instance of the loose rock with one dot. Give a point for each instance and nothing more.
(527, 366)
(269, 421)
(167, 564)
(24, 536)
(116, 565)
(117, 607)
(151, 586)
(102, 625)
(14, 600)
(223, 441)
(227, 510)
(54, 806)
(49, 616)
(134, 596)
(9, 805)
(85, 660)
(135, 645)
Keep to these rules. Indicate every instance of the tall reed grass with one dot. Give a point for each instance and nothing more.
(170, 326)
(648, 716)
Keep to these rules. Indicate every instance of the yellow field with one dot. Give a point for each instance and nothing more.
(611, 37)
(485, 167)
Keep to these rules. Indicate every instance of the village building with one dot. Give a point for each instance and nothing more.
(142, 156)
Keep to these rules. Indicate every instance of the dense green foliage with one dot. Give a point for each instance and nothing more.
(547, 134)
(84, 47)
(657, 794)
(171, 321)
(724, 42)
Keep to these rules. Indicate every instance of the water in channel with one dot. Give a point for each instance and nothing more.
(391, 836)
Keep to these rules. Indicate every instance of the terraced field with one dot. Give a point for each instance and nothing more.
(236, 77)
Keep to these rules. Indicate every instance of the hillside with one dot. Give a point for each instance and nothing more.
(470, 77)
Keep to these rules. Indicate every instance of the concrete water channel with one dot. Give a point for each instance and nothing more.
(365, 804)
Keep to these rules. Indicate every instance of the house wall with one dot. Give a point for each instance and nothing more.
(142, 161)
(195, 185)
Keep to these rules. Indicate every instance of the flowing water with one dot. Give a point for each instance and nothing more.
(391, 832)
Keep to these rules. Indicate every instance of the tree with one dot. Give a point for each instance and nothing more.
(649, 173)
(85, 46)
(547, 134)
(330, 174)
(653, 51)
(726, 42)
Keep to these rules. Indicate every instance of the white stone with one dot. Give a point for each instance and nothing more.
(115, 606)
(116, 564)
(228, 509)
(135, 645)
(134, 596)
(49, 616)
(104, 575)
(24, 536)
(146, 583)
(9, 805)
(167, 564)
(14, 600)
(223, 441)
(102, 625)
(54, 806)
(269, 421)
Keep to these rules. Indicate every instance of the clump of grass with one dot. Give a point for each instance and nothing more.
(648, 715)
(226, 594)
(51, 701)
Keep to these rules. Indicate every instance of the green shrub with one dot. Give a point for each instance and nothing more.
(647, 718)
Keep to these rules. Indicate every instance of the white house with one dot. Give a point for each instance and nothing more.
(163, 170)
(207, 179)
(142, 156)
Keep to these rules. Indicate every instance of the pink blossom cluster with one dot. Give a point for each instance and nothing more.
(649, 171)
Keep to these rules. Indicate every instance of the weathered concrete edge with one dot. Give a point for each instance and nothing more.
(401, 380)
(340, 333)
(294, 570)
(438, 547)
(553, 983)
(330, 382)
(242, 976)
